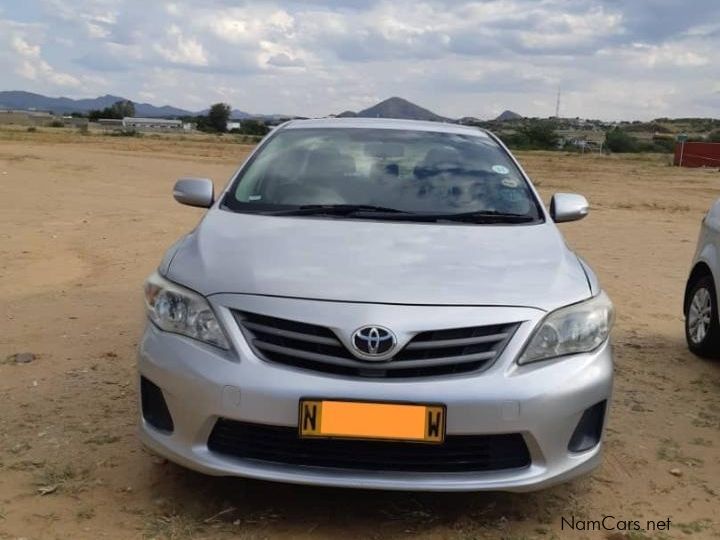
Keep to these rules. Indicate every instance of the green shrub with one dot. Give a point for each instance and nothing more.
(533, 135)
(617, 140)
(663, 144)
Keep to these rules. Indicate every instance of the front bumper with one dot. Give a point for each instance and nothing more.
(544, 402)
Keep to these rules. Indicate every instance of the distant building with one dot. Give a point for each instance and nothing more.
(151, 124)
(110, 123)
(73, 121)
(232, 124)
(26, 117)
(158, 125)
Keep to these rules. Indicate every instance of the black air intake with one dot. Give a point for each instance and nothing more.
(154, 408)
(281, 445)
(589, 429)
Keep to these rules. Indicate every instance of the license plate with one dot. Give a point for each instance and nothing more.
(365, 420)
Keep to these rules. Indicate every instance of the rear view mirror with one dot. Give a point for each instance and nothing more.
(194, 192)
(568, 207)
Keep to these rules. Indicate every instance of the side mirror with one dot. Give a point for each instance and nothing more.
(194, 192)
(568, 207)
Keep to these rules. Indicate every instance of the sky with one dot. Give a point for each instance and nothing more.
(611, 59)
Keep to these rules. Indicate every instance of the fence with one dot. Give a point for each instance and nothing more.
(697, 154)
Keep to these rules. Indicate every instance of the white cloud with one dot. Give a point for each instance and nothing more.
(248, 25)
(25, 49)
(95, 17)
(656, 56)
(563, 31)
(182, 50)
(456, 57)
(32, 66)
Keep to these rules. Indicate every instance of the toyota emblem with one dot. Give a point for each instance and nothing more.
(373, 341)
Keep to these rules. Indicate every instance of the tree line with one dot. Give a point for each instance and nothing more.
(118, 110)
(217, 118)
(539, 134)
(215, 121)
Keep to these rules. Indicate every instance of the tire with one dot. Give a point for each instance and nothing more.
(702, 330)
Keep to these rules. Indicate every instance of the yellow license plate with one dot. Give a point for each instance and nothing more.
(364, 420)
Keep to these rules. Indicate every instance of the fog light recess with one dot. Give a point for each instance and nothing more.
(589, 429)
(154, 409)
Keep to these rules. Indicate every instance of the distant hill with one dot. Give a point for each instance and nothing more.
(62, 105)
(508, 115)
(396, 107)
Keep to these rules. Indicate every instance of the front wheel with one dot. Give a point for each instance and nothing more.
(702, 330)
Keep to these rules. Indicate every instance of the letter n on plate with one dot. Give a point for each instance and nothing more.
(310, 413)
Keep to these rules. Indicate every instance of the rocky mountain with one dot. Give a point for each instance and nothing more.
(62, 105)
(508, 115)
(396, 107)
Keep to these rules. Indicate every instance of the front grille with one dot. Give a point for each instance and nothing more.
(459, 453)
(317, 348)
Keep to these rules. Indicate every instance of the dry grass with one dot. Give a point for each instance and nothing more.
(62, 478)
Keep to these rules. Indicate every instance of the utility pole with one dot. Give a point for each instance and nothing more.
(557, 104)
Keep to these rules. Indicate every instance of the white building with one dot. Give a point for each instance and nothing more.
(152, 124)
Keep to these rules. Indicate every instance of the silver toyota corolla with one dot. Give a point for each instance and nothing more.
(377, 304)
(702, 329)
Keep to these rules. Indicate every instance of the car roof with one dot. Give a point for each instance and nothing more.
(385, 123)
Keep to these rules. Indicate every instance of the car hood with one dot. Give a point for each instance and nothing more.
(379, 261)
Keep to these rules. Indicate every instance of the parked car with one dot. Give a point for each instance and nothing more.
(378, 304)
(700, 305)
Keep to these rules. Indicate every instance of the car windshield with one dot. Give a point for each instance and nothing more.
(383, 174)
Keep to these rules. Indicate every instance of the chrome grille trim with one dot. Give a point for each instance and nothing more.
(263, 346)
(290, 334)
(429, 353)
(455, 342)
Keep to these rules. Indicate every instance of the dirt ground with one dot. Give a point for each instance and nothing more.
(83, 220)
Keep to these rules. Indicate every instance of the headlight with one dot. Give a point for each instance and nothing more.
(573, 329)
(176, 309)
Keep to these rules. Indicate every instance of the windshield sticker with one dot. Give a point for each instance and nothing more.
(500, 169)
(510, 182)
(254, 197)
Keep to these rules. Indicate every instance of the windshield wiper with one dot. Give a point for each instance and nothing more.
(483, 216)
(333, 209)
(382, 212)
(479, 216)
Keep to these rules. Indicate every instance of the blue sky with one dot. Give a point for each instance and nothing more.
(613, 59)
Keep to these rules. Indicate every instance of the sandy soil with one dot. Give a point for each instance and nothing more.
(84, 219)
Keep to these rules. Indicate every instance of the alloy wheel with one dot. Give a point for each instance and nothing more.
(700, 315)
